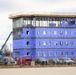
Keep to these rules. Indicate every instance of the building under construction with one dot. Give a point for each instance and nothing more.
(44, 35)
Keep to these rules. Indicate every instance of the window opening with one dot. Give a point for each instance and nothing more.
(27, 32)
(27, 43)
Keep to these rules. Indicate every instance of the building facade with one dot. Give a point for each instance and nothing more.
(44, 35)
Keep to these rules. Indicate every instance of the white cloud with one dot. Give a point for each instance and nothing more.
(37, 5)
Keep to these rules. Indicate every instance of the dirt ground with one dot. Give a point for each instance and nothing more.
(39, 71)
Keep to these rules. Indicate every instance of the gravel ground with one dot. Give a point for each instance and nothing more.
(36, 66)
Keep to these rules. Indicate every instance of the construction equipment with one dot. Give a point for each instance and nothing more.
(1, 52)
(3, 59)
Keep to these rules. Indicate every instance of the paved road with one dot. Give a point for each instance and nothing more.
(39, 71)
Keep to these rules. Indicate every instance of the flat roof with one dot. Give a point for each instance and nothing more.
(65, 15)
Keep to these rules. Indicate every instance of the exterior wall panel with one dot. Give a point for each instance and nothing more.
(46, 41)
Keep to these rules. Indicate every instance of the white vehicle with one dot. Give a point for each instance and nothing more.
(7, 60)
(67, 61)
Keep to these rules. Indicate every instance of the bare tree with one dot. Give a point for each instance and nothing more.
(6, 51)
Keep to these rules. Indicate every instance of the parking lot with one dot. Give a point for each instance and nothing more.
(44, 61)
(39, 62)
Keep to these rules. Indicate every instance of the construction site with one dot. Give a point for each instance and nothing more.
(41, 40)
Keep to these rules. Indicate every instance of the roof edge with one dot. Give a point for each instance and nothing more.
(17, 15)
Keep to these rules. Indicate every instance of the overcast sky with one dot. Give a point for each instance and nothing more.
(15, 6)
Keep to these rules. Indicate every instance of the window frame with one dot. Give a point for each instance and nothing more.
(55, 32)
(45, 54)
(38, 32)
(39, 53)
(44, 32)
(66, 32)
(39, 43)
(44, 43)
(61, 43)
(61, 32)
(55, 43)
(50, 53)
